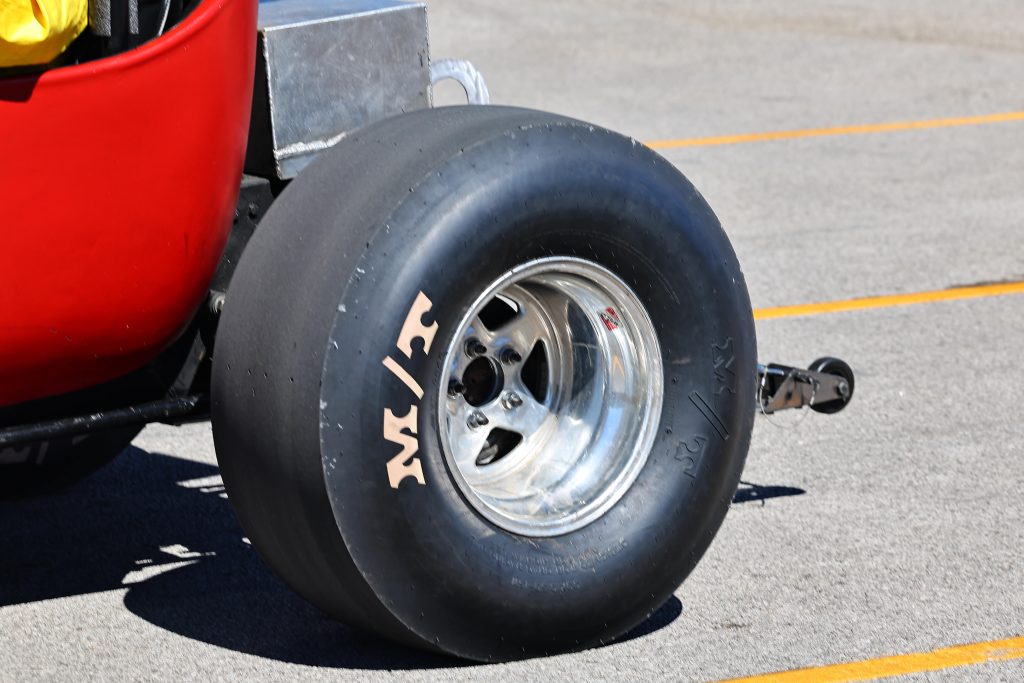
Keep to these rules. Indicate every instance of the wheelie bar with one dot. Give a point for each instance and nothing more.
(826, 386)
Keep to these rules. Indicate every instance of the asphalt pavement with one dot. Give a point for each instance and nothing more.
(894, 527)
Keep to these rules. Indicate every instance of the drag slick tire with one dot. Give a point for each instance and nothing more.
(484, 382)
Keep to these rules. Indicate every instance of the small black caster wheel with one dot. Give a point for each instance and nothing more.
(833, 366)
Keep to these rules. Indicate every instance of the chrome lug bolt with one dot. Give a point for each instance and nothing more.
(511, 400)
(474, 348)
(455, 388)
(510, 356)
(476, 419)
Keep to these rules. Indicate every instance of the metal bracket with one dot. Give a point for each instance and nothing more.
(781, 387)
(465, 74)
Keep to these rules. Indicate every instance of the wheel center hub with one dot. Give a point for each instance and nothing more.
(483, 381)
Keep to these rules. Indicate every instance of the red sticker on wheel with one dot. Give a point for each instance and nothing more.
(610, 319)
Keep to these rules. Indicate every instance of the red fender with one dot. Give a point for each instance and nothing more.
(118, 182)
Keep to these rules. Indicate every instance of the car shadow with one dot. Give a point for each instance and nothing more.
(161, 527)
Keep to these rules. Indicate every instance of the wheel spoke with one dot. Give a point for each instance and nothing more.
(478, 330)
(526, 419)
(514, 411)
(466, 441)
(527, 328)
(524, 331)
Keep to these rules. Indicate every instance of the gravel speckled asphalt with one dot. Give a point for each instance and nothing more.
(894, 527)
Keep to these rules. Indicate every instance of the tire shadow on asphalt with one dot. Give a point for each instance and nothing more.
(161, 527)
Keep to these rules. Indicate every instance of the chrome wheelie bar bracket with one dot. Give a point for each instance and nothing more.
(781, 387)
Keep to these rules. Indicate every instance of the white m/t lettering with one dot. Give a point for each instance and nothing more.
(414, 327)
(403, 465)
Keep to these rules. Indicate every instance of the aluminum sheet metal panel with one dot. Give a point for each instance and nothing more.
(324, 68)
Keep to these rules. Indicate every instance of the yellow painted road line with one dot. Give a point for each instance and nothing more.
(838, 130)
(953, 294)
(884, 667)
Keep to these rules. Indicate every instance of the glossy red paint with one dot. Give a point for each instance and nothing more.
(118, 181)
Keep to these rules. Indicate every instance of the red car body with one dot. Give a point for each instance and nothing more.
(119, 181)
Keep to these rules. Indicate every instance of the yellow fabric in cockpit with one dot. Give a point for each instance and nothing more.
(37, 31)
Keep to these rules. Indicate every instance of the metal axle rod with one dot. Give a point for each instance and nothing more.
(174, 410)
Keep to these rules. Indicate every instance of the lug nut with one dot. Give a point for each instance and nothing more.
(474, 348)
(476, 419)
(510, 356)
(511, 400)
(455, 387)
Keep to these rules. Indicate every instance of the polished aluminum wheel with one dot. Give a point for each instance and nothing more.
(551, 396)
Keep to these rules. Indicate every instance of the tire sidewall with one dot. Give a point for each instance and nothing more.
(429, 556)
